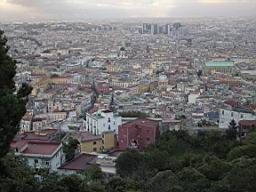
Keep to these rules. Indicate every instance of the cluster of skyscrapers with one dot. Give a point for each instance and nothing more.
(168, 29)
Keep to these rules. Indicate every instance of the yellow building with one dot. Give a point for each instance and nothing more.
(90, 143)
(40, 85)
(113, 68)
(39, 71)
(109, 140)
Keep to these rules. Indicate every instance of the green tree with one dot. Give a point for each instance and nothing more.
(116, 184)
(156, 160)
(192, 180)
(243, 150)
(93, 174)
(243, 176)
(251, 138)
(71, 148)
(214, 168)
(165, 181)
(15, 176)
(12, 101)
(51, 184)
(130, 163)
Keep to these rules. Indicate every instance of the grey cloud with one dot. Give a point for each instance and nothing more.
(100, 9)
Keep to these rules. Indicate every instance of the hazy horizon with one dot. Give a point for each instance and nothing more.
(77, 10)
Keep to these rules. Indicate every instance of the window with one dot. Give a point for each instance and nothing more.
(148, 139)
(94, 149)
(94, 143)
(232, 114)
(223, 112)
(109, 119)
(109, 128)
(35, 160)
(242, 116)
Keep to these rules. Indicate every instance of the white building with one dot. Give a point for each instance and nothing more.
(40, 154)
(101, 121)
(192, 98)
(26, 123)
(237, 114)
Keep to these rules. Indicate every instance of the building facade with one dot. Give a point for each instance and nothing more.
(219, 67)
(138, 134)
(102, 121)
(90, 143)
(40, 154)
(237, 114)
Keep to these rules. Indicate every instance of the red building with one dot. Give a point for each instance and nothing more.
(138, 133)
(245, 126)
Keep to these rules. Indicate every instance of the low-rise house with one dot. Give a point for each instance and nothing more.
(237, 114)
(41, 135)
(85, 161)
(40, 154)
(245, 126)
(91, 143)
(39, 123)
(26, 123)
(138, 133)
(80, 163)
(57, 116)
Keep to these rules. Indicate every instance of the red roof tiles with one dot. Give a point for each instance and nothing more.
(81, 162)
(41, 148)
(36, 147)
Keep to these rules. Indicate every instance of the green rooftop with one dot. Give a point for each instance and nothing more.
(220, 64)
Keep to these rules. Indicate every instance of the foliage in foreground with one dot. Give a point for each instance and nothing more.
(207, 162)
(12, 101)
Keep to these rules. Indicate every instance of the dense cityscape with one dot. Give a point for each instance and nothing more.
(105, 94)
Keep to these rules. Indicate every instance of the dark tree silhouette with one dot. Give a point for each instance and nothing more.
(232, 131)
(12, 104)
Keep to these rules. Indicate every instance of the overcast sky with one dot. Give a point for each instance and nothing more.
(23, 10)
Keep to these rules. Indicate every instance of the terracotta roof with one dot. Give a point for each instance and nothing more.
(18, 144)
(81, 162)
(232, 103)
(41, 148)
(44, 135)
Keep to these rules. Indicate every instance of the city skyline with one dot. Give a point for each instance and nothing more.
(29, 10)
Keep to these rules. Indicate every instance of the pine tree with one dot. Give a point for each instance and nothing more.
(12, 101)
(232, 131)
